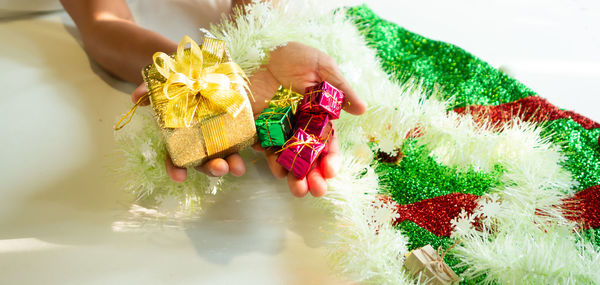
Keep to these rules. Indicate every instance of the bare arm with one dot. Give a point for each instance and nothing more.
(113, 39)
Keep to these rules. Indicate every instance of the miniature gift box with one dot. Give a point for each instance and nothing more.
(200, 101)
(274, 126)
(300, 153)
(429, 267)
(286, 98)
(314, 124)
(323, 98)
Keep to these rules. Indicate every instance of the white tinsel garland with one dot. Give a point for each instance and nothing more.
(363, 243)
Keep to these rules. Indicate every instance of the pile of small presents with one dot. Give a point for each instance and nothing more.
(299, 126)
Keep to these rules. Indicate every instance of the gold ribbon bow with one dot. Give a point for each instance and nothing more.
(195, 86)
(198, 85)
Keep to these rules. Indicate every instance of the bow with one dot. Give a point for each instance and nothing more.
(192, 85)
(198, 84)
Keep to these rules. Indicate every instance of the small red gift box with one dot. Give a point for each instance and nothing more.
(323, 98)
(300, 153)
(314, 124)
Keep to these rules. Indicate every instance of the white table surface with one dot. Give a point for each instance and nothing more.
(63, 220)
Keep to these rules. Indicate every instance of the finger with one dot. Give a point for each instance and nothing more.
(257, 147)
(177, 174)
(329, 71)
(138, 93)
(330, 163)
(214, 167)
(298, 187)
(276, 168)
(316, 183)
(263, 85)
(236, 165)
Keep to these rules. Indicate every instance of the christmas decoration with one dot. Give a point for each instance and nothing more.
(300, 153)
(429, 267)
(274, 126)
(200, 102)
(323, 98)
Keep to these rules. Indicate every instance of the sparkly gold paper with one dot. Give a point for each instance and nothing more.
(186, 145)
(208, 132)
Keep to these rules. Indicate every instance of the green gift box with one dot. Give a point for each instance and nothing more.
(274, 126)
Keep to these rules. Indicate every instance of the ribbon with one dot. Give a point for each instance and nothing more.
(285, 97)
(309, 142)
(437, 265)
(196, 86)
(271, 114)
(309, 104)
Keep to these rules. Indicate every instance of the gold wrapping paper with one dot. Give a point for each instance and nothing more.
(200, 100)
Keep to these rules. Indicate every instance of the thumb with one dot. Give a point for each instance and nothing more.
(329, 71)
(138, 93)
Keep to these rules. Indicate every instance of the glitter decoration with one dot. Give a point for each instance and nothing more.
(436, 213)
(411, 57)
(531, 109)
(418, 177)
(580, 147)
(385, 157)
(584, 207)
(592, 236)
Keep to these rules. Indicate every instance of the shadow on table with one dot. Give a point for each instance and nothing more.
(255, 214)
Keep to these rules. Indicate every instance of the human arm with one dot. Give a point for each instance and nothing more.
(119, 45)
(113, 39)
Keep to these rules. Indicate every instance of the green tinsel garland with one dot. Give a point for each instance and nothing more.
(418, 177)
(406, 56)
(581, 148)
(470, 81)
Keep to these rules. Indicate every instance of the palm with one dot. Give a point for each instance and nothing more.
(301, 66)
(295, 65)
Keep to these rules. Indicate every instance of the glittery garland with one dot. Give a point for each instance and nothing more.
(592, 236)
(435, 214)
(584, 207)
(408, 56)
(531, 109)
(581, 148)
(418, 177)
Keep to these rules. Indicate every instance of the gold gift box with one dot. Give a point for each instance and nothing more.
(217, 133)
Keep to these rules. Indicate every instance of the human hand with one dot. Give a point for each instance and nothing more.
(300, 66)
(295, 65)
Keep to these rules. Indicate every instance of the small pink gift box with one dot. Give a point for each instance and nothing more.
(323, 98)
(300, 153)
